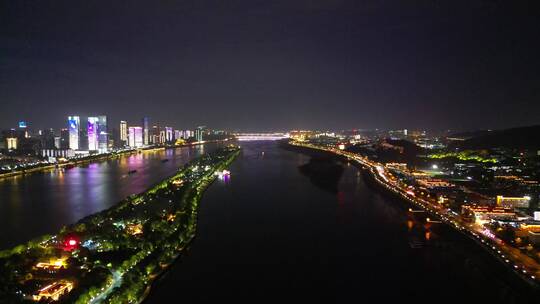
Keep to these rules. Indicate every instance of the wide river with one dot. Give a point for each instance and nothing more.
(41, 203)
(271, 234)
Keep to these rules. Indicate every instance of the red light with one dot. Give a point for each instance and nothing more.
(70, 244)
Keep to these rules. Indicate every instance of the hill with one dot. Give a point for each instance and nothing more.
(515, 138)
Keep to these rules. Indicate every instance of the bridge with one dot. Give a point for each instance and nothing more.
(260, 136)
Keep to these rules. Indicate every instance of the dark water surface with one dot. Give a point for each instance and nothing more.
(42, 203)
(270, 235)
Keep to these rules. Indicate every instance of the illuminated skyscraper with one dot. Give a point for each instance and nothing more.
(168, 134)
(74, 126)
(199, 133)
(92, 133)
(146, 130)
(162, 136)
(103, 135)
(154, 135)
(123, 132)
(12, 143)
(135, 137)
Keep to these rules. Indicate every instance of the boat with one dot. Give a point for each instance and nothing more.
(132, 171)
(165, 160)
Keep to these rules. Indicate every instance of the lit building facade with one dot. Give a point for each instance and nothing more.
(199, 133)
(123, 132)
(92, 133)
(11, 143)
(146, 130)
(513, 202)
(168, 134)
(103, 134)
(135, 137)
(74, 127)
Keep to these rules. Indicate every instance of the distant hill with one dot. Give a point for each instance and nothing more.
(517, 138)
(409, 147)
(470, 134)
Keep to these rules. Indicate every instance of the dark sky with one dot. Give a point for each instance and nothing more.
(262, 65)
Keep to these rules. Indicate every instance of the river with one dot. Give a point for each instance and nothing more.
(270, 234)
(273, 233)
(41, 203)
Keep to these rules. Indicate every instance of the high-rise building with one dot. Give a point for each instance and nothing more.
(168, 134)
(146, 130)
(154, 136)
(64, 139)
(162, 136)
(12, 143)
(103, 134)
(92, 132)
(74, 126)
(135, 137)
(199, 133)
(123, 132)
(57, 142)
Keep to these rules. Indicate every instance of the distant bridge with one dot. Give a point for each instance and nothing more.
(260, 136)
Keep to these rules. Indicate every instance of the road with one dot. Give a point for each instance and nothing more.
(117, 281)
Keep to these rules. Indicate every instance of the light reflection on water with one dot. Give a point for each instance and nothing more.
(270, 234)
(43, 202)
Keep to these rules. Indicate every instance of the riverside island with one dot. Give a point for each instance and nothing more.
(114, 256)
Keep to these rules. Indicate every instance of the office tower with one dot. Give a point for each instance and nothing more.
(168, 134)
(64, 139)
(154, 136)
(199, 133)
(123, 132)
(92, 133)
(146, 130)
(135, 137)
(47, 139)
(74, 124)
(103, 135)
(162, 137)
(57, 142)
(12, 143)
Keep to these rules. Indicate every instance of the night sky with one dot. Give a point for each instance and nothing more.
(266, 65)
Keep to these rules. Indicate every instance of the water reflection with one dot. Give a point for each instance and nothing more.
(279, 236)
(41, 203)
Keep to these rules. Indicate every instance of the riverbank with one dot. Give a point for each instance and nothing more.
(513, 276)
(76, 162)
(98, 158)
(116, 253)
(195, 202)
